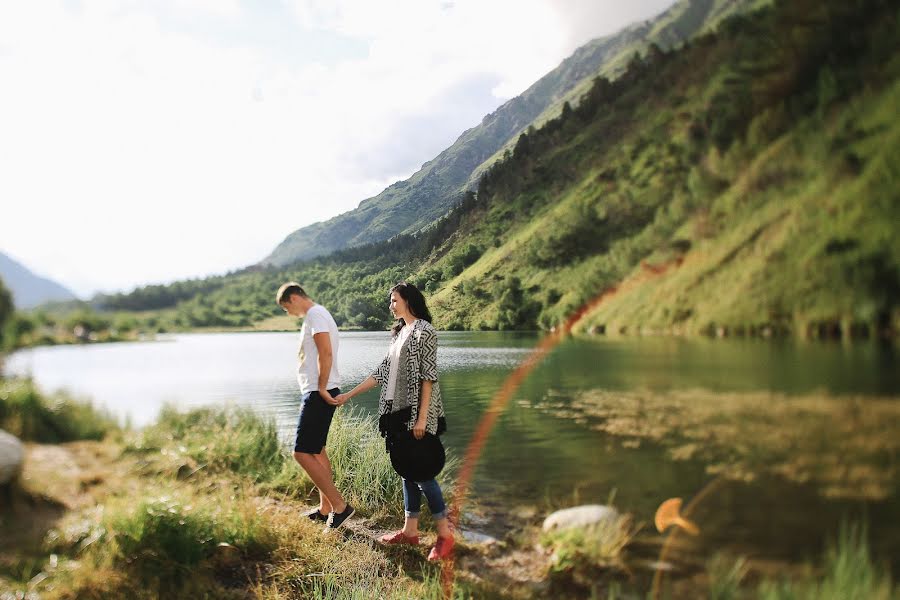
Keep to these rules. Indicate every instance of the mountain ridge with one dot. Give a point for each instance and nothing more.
(742, 184)
(29, 289)
(409, 205)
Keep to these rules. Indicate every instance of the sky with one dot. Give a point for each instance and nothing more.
(151, 141)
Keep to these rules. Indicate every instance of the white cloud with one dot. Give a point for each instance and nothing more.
(145, 145)
(222, 8)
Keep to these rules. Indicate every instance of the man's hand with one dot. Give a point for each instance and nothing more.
(341, 399)
(329, 398)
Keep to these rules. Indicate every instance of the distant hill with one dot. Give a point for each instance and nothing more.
(28, 289)
(410, 205)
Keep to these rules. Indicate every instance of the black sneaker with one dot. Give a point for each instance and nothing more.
(335, 519)
(315, 515)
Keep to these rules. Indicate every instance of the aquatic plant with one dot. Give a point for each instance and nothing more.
(742, 435)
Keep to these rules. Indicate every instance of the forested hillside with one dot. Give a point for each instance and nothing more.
(407, 206)
(744, 183)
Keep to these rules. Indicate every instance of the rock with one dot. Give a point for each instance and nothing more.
(476, 537)
(579, 516)
(226, 556)
(12, 454)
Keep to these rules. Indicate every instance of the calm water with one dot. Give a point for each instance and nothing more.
(534, 458)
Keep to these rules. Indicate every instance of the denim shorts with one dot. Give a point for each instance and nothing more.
(315, 420)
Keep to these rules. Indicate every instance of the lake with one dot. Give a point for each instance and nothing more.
(766, 422)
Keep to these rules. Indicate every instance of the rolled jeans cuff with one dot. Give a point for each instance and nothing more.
(415, 515)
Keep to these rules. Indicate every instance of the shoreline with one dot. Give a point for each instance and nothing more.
(211, 494)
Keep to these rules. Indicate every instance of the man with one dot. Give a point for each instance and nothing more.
(319, 382)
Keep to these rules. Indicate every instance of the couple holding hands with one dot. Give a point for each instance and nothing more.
(411, 414)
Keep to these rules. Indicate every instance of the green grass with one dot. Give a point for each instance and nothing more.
(208, 497)
(596, 546)
(158, 538)
(362, 467)
(239, 441)
(230, 439)
(725, 577)
(31, 415)
(849, 572)
(164, 537)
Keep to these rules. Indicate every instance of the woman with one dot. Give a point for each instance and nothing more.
(411, 401)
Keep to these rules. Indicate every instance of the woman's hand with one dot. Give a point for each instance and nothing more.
(340, 399)
(419, 428)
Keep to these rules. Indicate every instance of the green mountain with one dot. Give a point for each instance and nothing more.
(417, 202)
(744, 183)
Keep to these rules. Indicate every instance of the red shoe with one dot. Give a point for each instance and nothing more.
(398, 537)
(442, 548)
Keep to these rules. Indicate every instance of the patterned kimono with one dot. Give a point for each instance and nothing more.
(418, 361)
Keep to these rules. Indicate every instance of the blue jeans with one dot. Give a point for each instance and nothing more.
(412, 498)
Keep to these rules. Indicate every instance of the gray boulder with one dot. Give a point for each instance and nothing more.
(579, 516)
(12, 454)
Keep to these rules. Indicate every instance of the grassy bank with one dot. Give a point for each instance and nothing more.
(32, 416)
(201, 504)
(237, 441)
(207, 503)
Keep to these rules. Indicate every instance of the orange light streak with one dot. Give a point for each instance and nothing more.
(512, 383)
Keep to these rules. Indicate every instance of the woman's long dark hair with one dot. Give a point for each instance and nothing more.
(416, 302)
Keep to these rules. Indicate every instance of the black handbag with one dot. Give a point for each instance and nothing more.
(412, 459)
(416, 460)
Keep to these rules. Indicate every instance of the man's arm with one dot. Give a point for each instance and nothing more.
(324, 362)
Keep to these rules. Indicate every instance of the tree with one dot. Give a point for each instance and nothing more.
(6, 309)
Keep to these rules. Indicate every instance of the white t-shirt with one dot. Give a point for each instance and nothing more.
(317, 320)
(394, 351)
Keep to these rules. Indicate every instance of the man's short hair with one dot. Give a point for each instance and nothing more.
(287, 290)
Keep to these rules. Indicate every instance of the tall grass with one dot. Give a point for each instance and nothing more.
(167, 535)
(164, 540)
(218, 530)
(240, 441)
(221, 439)
(31, 415)
(725, 577)
(850, 572)
(322, 586)
(362, 467)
